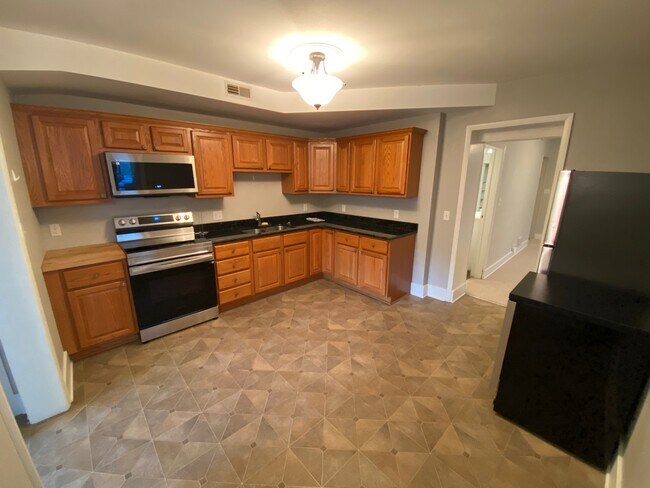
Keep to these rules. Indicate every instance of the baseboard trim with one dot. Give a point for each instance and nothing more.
(458, 292)
(418, 290)
(68, 376)
(504, 259)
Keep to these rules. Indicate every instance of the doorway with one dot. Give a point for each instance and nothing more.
(497, 134)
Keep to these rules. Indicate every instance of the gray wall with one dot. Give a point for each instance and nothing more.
(543, 199)
(515, 197)
(610, 133)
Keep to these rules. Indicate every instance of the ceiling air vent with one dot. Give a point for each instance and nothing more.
(235, 90)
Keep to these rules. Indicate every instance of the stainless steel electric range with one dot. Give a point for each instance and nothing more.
(171, 273)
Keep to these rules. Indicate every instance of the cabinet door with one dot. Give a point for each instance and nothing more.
(321, 166)
(170, 139)
(315, 251)
(249, 152)
(373, 269)
(267, 270)
(300, 177)
(279, 154)
(124, 135)
(213, 159)
(68, 151)
(296, 263)
(362, 165)
(102, 313)
(346, 263)
(328, 252)
(392, 164)
(343, 167)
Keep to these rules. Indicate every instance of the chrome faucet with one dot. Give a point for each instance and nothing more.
(258, 218)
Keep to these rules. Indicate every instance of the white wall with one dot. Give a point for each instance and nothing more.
(27, 329)
(515, 197)
(543, 200)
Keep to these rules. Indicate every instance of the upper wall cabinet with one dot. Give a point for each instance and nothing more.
(249, 152)
(279, 154)
(343, 166)
(61, 156)
(298, 180)
(322, 158)
(213, 160)
(363, 153)
(119, 134)
(399, 157)
(171, 139)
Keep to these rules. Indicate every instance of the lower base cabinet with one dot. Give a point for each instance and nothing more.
(296, 257)
(373, 272)
(328, 252)
(267, 269)
(92, 304)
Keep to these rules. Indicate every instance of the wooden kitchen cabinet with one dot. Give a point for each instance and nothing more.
(91, 298)
(249, 152)
(346, 257)
(298, 180)
(213, 162)
(171, 139)
(322, 159)
(373, 268)
(102, 313)
(120, 134)
(315, 251)
(328, 252)
(399, 156)
(343, 166)
(296, 256)
(233, 269)
(363, 153)
(61, 156)
(267, 270)
(279, 154)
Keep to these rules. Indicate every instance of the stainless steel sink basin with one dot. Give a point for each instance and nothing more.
(263, 230)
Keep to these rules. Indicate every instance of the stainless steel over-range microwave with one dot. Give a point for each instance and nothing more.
(134, 174)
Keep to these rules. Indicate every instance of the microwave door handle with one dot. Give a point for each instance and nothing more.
(177, 263)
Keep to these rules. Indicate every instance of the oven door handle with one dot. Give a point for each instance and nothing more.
(176, 263)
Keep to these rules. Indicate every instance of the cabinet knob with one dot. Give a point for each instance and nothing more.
(236, 280)
(124, 283)
(95, 276)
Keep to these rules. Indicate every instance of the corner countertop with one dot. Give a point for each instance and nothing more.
(219, 232)
(607, 306)
(74, 257)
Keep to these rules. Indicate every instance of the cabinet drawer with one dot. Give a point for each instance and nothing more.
(267, 243)
(93, 275)
(234, 279)
(235, 293)
(375, 245)
(226, 251)
(231, 265)
(348, 239)
(295, 238)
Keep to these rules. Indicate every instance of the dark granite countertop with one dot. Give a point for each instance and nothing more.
(380, 228)
(611, 307)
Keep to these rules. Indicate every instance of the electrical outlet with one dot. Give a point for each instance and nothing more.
(446, 215)
(217, 215)
(304, 206)
(55, 230)
(343, 208)
(396, 214)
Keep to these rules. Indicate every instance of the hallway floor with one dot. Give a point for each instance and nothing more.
(317, 386)
(496, 287)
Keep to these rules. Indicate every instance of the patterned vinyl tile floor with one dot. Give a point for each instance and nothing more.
(317, 386)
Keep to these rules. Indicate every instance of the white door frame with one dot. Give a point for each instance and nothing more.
(565, 119)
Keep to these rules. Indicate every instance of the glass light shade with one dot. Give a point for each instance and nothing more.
(317, 89)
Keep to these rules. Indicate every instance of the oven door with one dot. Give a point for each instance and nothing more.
(168, 290)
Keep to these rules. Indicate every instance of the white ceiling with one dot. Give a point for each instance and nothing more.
(412, 42)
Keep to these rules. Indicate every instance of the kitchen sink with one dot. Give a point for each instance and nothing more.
(263, 230)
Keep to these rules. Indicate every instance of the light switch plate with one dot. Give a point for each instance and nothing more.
(217, 215)
(396, 214)
(55, 230)
(446, 215)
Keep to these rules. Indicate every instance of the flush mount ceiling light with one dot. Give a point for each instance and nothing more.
(317, 88)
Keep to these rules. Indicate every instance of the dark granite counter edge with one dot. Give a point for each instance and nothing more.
(538, 290)
(238, 235)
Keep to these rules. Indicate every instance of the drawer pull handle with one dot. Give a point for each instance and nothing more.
(232, 251)
(236, 280)
(95, 276)
(237, 294)
(124, 283)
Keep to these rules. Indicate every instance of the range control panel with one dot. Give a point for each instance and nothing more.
(153, 220)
